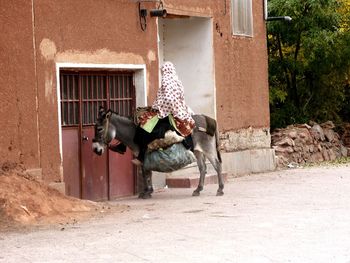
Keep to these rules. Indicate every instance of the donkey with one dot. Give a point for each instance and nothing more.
(110, 125)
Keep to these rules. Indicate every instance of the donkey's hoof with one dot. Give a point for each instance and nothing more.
(196, 193)
(145, 195)
(219, 193)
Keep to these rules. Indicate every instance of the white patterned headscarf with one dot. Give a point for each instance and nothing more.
(170, 97)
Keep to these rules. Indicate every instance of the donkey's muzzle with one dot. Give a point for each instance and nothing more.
(97, 151)
(97, 148)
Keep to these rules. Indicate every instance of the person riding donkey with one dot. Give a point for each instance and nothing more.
(169, 116)
(168, 121)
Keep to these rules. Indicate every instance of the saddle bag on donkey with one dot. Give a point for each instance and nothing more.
(165, 150)
(170, 159)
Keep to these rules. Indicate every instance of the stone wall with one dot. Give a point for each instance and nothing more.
(303, 143)
(246, 151)
(245, 139)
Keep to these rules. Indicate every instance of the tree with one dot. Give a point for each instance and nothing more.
(309, 61)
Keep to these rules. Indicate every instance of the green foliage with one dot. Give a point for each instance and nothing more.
(309, 61)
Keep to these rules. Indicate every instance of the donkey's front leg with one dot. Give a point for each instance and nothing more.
(147, 184)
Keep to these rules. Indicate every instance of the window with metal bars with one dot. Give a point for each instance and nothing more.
(82, 94)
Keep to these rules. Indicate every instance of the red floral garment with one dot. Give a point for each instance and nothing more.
(143, 115)
(170, 100)
(184, 127)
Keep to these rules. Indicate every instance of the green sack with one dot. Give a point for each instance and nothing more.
(168, 160)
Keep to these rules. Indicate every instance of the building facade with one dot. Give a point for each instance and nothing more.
(61, 60)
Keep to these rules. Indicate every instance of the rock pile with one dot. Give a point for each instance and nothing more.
(303, 143)
(345, 134)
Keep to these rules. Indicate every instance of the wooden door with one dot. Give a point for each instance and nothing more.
(122, 100)
(87, 175)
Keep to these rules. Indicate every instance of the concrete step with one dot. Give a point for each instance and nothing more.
(192, 180)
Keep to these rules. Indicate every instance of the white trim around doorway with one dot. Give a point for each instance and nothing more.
(140, 82)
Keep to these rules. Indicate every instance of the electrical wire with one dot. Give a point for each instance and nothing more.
(143, 20)
(225, 12)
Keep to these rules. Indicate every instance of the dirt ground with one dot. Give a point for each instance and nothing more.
(297, 215)
(26, 203)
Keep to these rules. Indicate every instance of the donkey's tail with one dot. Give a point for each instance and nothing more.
(217, 140)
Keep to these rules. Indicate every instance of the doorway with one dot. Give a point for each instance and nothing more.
(87, 175)
(188, 43)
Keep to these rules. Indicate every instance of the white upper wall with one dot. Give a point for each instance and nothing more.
(188, 43)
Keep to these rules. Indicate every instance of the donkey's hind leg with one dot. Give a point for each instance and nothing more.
(214, 160)
(202, 171)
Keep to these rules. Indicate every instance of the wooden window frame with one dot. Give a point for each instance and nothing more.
(242, 18)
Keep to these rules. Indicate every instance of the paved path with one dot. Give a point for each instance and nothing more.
(300, 215)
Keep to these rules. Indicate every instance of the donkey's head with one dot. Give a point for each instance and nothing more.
(104, 132)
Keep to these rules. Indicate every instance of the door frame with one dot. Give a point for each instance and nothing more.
(197, 74)
(139, 83)
(139, 79)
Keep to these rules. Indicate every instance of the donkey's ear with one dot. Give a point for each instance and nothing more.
(101, 111)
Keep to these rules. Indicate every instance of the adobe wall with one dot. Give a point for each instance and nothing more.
(89, 31)
(19, 141)
(103, 32)
(76, 31)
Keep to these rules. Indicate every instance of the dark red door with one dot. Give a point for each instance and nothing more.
(122, 174)
(87, 175)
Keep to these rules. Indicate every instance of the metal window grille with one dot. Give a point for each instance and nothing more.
(82, 94)
(121, 96)
(69, 84)
(93, 89)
